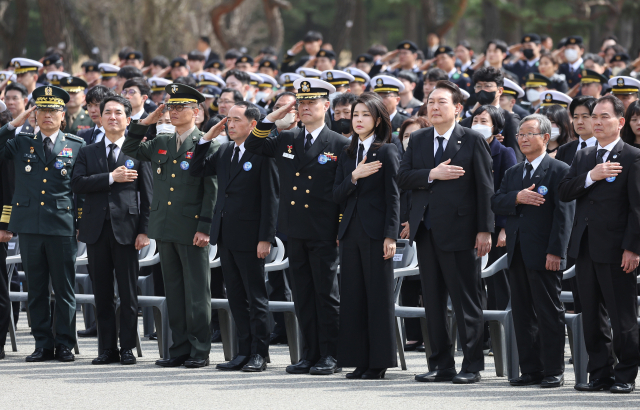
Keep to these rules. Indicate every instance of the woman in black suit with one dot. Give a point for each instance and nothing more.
(631, 130)
(366, 188)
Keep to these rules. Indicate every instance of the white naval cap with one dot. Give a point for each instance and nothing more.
(513, 89)
(108, 70)
(552, 97)
(312, 88)
(267, 81)
(54, 77)
(359, 75)
(308, 72)
(23, 65)
(386, 84)
(207, 78)
(287, 79)
(624, 85)
(337, 78)
(157, 84)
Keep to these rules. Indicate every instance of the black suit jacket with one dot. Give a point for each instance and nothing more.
(567, 152)
(87, 135)
(376, 197)
(129, 217)
(459, 208)
(247, 196)
(307, 209)
(611, 210)
(509, 132)
(543, 229)
(397, 121)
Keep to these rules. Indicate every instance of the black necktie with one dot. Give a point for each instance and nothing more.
(94, 134)
(526, 181)
(360, 153)
(235, 161)
(111, 158)
(48, 147)
(600, 155)
(583, 145)
(439, 151)
(307, 145)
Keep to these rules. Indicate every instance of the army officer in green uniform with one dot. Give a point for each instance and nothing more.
(77, 118)
(42, 214)
(180, 222)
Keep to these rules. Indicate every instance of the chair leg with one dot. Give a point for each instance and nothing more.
(161, 317)
(12, 329)
(498, 343)
(513, 363)
(400, 343)
(293, 336)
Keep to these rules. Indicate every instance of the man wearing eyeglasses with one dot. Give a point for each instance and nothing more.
(180, 222)
(43, 214)
(137, 91)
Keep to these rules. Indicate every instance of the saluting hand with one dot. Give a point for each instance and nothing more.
(364, 170)
(215, 130)
(154, 116)
(529, 197)
(281, 112)
(20, 119)
(122, 174)
(445, 172)
(605, 170)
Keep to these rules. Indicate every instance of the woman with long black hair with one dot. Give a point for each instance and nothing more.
(561, 128)
(366, 188)
(631, 130)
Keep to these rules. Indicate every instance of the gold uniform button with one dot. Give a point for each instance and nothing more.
(196, 216)
(295, 188)
(171, 189)
(42, 203)
(297, 174)
(44, 180)
(293, 202)
(309, 176)
(43, 192)
(307, 191)
(46, 168)
(306, 206)
(169, 202)
(175, 162)
(173, 175)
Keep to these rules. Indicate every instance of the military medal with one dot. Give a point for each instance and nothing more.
(128, 163)
(162, 151)
(247, 166)
(159, 171)
(322, 159)
(31, 150)
(289, 148)
(58, 164)
(331, 157)
(184, 165)
(27, 168)
(63, 172)
(188, 155)
(542, 190)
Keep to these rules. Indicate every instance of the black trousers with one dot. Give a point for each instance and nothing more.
(538, 317)
(606, 288)
(107, 256)
(247, 293)
(279, 281)
(455, 274)
(367, 311)
(313, 269)
(5, 312)
(217, 292)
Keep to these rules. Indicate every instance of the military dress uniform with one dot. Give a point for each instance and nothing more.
(82, 121)
(181, 206)
(522, 68)
(42, 213)
(573, 75)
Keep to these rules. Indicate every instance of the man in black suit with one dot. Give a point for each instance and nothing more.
(94, 98)
(538, 230)
(448, 169)
(489, 85)
(307, 163)
(243, 227)
(605, 182)
(114, 227)
(580, 109)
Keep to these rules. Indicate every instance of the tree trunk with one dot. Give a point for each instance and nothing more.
(82, 35)
(491, 26)
(359, 38)
(216, 13)
(14, 37)
(410, 29)
(53, 22)
(344, 12)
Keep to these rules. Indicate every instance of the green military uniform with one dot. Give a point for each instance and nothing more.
(82, 121)
(42, 213)
(182, 205)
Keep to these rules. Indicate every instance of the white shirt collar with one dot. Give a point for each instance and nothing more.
(576, 66)
(393, 115)
(137, 115)
(532, 62)
(314, 134)
(119, 143)
(609, 147)
(590, 141)
(446, 135)
(464, 67)
(536, 161)
(53, 137)
(100, 134)
(452, 72)
(367, 143)
(241, 146)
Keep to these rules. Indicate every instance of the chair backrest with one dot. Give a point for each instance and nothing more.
(213, 252)
(148, 250)
(277, 253)
(570, 273)
(82, 250)
(13, 247)
(405, 254)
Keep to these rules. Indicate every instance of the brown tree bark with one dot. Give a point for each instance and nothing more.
(217, 13)
(14, 36)
(359, 37)
(54, 28)
(344, 11)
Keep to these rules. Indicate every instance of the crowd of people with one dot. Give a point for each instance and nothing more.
(527, 150)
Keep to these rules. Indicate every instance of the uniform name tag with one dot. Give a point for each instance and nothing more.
(287, 155)
(30, 156)
(162, 151)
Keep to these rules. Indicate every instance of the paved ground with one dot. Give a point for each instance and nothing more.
(81, 385)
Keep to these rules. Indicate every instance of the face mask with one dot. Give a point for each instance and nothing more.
(528, 53)
(286, 121)
(616, 70)
(485, 130)
(261, 95)
(555, 133)
(343, 126)
(333, 97)
(486, 97)
(405, 143)
(165, 129)
(533, 95)
(249, 95)
(571, 55)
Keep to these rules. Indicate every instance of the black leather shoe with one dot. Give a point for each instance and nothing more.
(256, 363)
(40, 355)
(193, 363)
(216, 337)
(2, 352)
(237, 363)
(571, 360)
(421, 348)
(63, 354)
(92, 331)
(466, 378)
(127, 357)
(108, 356)
(326, 365)
(553, 381)
(441, 375)
(302, 367)
(374, 374)
(357, 373)
(153, 336)
(622, 388)
(410, 347)
(603, 383)
(527, 379)
(277, 339)
(173, 362)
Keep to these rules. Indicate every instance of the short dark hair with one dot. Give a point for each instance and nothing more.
(160, 61)
(582, 101)
(120, 100)
(5, 117)
(435, 74)
(232, 53)
(289, 94)
(420, 121)
(489, 74)
(241, 76)
(251, 111)
(16, 86)
(237, 97)
(627, 133)
(465, 44)
(456, 95)
(344, 99)
(377, 49)
(142, 85)
(205, 39)
(496, 117)
(500, 45)
(618, 107)
(195, 55)
(407, 75)
(96, 94)
(312, 36)
(129, 72)
(186, 80)
(269, 50)
(594, 57)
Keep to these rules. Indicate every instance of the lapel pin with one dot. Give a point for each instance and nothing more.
(374, 154)
(615, 156)
(459, 142)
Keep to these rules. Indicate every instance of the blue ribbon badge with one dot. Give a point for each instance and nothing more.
(247, 166)
(184, 165)
(610, 179)
(58, 164)
(322, 159)
(129, 164)
(542, 190)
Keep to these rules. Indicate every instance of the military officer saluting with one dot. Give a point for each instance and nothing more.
(43, 216)
(76, 117)
(180, 222)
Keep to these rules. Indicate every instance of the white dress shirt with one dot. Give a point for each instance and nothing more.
(588, 182)
(241, 146)
(535, 163)
(576, 66)
(532, 62)
(591, 142)
(446, 137)
(137, 115)
(392, 115)
(367, 144)
(116, 152)
(99, 135)
(452, 72)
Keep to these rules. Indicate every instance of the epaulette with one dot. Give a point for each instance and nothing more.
(26, 134)
(73, 137)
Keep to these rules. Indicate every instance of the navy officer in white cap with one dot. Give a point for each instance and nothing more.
(388, 88)
(625, 89)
